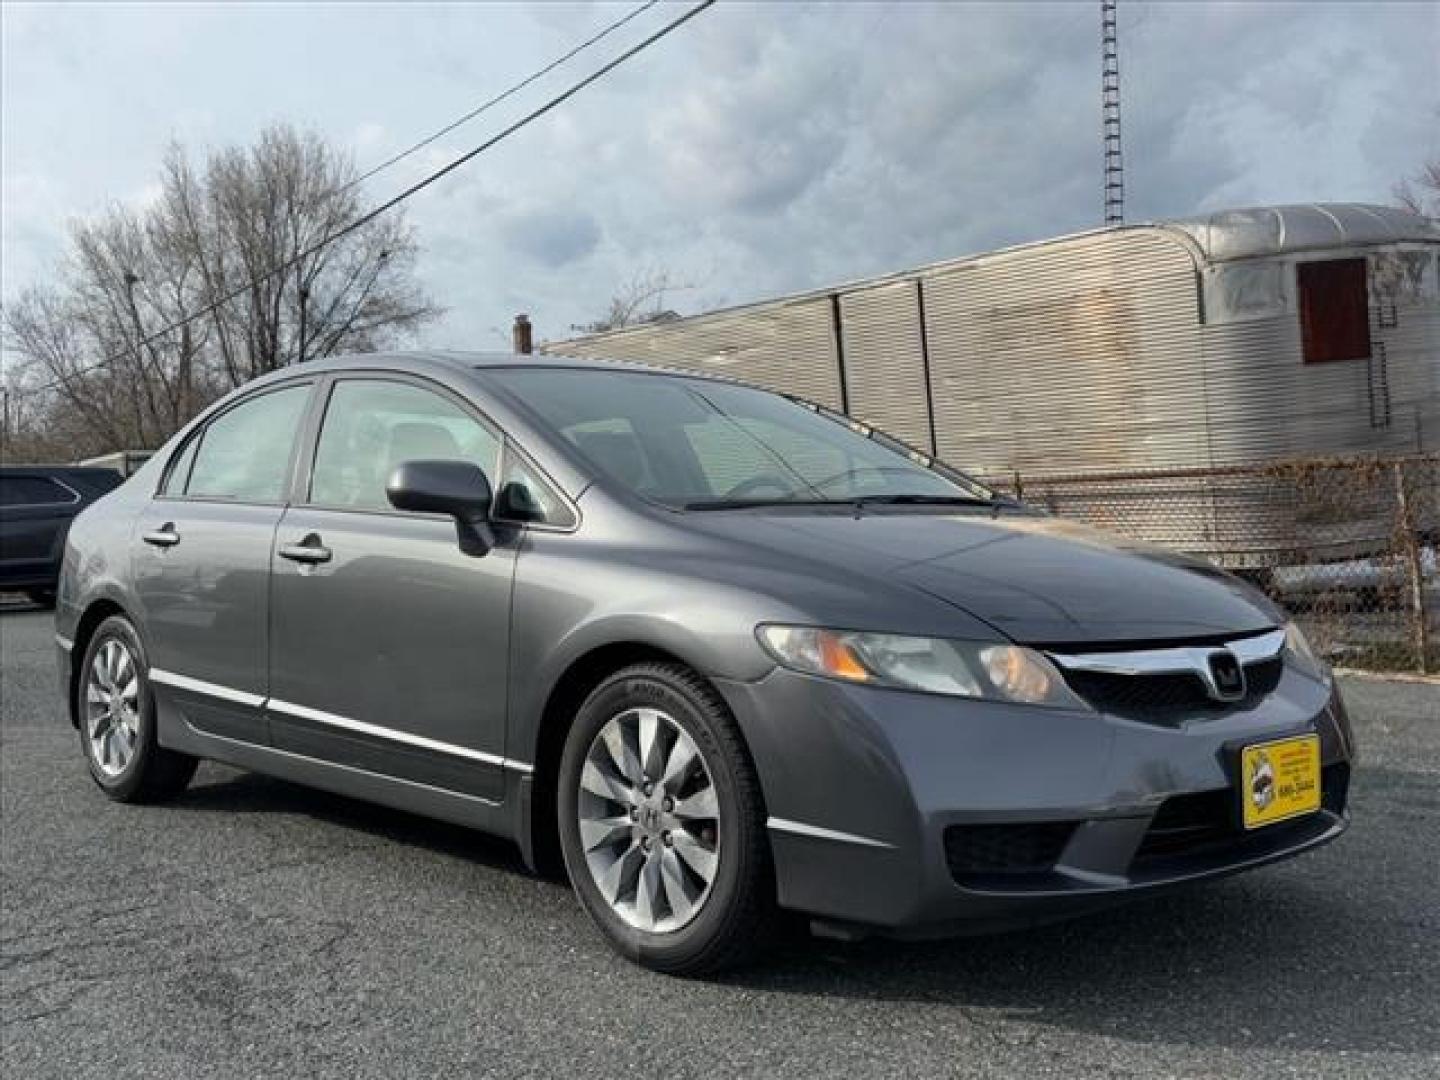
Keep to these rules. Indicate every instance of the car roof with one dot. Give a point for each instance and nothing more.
(76, 471)
(460, 360)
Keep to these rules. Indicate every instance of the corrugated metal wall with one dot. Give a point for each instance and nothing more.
(787, 345)
(884, 350)
(1266, 403)
(1072, 356)
(1086, 353)
(1410, 336)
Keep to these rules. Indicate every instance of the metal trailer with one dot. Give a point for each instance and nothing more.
(1236, 338)
(125, 462)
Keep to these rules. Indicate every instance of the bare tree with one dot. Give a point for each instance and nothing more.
(640, 301)
(232, 224)
(1421, 193)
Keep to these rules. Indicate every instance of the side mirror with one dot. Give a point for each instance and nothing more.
(456, 488)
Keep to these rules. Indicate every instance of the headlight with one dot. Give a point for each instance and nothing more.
(935, 665)
(1302, 656)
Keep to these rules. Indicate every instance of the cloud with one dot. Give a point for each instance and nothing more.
(552, 237)
(762, 148)
(767, 125)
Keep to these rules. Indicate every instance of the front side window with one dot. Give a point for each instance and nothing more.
(372, 426)
(244, 454)
(689, 443)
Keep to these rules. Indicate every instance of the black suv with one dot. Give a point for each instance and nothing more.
(37, 504)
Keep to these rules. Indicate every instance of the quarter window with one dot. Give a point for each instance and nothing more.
(180, 471)
(371, 426)
(244, 454)
(525, 496)
(1334, 310)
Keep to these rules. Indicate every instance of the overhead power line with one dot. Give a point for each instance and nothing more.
(369, 216)
(498, 98)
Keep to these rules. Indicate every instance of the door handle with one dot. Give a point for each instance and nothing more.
(309, 550)
(163, 537)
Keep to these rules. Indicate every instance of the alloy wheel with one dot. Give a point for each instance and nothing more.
(112, 707)
(649, 820)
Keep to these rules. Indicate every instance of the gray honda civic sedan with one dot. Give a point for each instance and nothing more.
(713, 651)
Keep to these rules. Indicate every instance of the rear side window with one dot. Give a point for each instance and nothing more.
(372, 426)
(245, 453)
(33, 491)
(1334, 310)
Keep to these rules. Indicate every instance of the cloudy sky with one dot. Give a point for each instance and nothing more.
(765, 147)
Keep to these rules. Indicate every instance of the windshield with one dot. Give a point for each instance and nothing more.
(696, 444)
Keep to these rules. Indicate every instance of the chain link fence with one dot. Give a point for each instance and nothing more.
(1348, 546)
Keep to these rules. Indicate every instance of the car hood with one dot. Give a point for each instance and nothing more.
(1036, 579)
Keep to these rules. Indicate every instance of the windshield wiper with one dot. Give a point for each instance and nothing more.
(748, 504)
(922, 500)
(855, 500)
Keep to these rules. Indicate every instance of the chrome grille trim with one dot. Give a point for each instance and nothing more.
(1194, 659)
(1249, 650)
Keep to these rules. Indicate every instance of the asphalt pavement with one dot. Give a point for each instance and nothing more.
(255, 928)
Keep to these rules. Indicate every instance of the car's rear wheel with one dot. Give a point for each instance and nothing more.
(662, 824)
(117, 720)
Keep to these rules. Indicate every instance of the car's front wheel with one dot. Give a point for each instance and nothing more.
(117, 720)
(662, 823)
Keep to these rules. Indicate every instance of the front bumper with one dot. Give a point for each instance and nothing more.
(880, 800)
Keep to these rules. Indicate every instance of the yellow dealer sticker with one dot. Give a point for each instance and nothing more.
(1279, 780)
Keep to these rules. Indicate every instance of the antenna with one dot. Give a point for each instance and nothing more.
(1114, 190)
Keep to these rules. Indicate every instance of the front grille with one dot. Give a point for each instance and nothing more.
(1005, 849)
(1208, 821)
(1168, 696)
(1262, 678)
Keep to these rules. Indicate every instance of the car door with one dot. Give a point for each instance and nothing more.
(35, 511)
(389, 644)
(200, 560)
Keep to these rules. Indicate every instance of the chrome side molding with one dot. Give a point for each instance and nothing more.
(304, 712)
(208, 689)
(816, 832)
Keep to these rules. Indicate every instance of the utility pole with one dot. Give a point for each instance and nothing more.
(304, 303)
(1114, 190)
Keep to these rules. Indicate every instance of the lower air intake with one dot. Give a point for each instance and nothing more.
(974, 850)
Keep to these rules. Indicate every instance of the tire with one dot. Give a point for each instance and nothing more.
(685, 923)
(119, 742)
